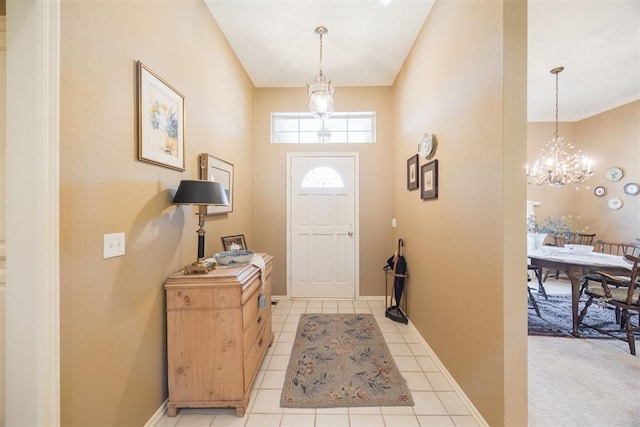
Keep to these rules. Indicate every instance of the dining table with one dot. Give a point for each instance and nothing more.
(576, 266)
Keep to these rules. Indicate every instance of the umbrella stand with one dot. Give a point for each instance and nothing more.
(397, 268)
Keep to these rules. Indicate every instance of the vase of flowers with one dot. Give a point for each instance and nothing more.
(537, 230)
(535, 240)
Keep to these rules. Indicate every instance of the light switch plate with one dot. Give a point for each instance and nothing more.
(113, 245)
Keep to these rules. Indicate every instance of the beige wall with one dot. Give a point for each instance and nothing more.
(611, 138)
(375, 185)
(465, 81)
(113, 368)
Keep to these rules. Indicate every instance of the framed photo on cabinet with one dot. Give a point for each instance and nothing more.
(234, 243)
(215, 169)
(160, 121)
(429, 177)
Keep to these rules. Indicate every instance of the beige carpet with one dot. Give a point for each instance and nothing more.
(583, 382)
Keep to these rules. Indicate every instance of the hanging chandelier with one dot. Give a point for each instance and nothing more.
(556, 165)
(320, 92)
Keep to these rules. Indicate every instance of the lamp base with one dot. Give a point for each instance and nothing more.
(199, 267)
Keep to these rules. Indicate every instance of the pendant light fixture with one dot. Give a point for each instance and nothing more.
(320, 92)
(556, 165)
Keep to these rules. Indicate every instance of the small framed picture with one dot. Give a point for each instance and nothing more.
(217, 170)
(429, 177)
(234, 243)
(413, 178)
(160, 121)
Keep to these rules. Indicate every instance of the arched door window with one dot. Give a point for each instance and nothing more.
(322, 177)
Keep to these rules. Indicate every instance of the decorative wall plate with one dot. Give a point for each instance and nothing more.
(615, 203)
(614, 174)
(600, 191)
(427, 146)
(632, 189)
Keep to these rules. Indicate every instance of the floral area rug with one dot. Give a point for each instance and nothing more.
(341, 360)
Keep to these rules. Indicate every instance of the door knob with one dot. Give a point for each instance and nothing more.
(350, 233)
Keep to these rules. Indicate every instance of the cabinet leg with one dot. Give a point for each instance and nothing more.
(240, 411)
(171, 411)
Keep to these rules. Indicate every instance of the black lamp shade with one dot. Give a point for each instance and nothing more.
(200, 192)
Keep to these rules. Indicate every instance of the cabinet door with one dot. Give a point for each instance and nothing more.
(204, 355)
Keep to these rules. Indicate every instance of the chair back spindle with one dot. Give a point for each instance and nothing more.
(574, 239)
(620, 249)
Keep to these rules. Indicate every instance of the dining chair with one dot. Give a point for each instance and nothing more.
(615, 248)
(573, 238)
(611, 248)
(538, 273)
(621, 292)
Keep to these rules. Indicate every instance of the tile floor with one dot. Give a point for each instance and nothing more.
(436, 402)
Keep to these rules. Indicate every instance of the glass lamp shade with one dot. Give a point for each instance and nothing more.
(320, 98)
(200, 192)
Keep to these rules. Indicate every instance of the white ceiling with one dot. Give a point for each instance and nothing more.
(597, 41)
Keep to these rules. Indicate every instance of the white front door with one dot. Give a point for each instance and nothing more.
(322, 243)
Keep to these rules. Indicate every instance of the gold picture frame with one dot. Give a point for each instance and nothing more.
(160, 121)
(217, 170)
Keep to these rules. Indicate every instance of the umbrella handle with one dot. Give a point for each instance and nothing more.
(400, 246)
(395, 262)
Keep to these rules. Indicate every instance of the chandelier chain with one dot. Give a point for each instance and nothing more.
(321, 33)
(557, 133)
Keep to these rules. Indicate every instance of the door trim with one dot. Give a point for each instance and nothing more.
(356, 200)
(33, 278)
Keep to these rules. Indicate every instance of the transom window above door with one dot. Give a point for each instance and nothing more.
(340, 128)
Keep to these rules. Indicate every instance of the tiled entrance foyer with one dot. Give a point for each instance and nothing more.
(436, 402)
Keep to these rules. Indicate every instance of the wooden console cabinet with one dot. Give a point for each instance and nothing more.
(217, 336)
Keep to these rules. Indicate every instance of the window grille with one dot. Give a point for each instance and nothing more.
(340, 128)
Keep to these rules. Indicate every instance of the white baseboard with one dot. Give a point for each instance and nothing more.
(371, 298)
(155, 418)
(472, 409)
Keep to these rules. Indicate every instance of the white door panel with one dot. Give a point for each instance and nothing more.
(322, 212)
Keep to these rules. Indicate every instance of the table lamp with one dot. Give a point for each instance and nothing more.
(202, 194)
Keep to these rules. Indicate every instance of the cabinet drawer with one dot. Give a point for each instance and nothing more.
(250, 307)
(256, 353)
(250, 335)
(192, 298)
